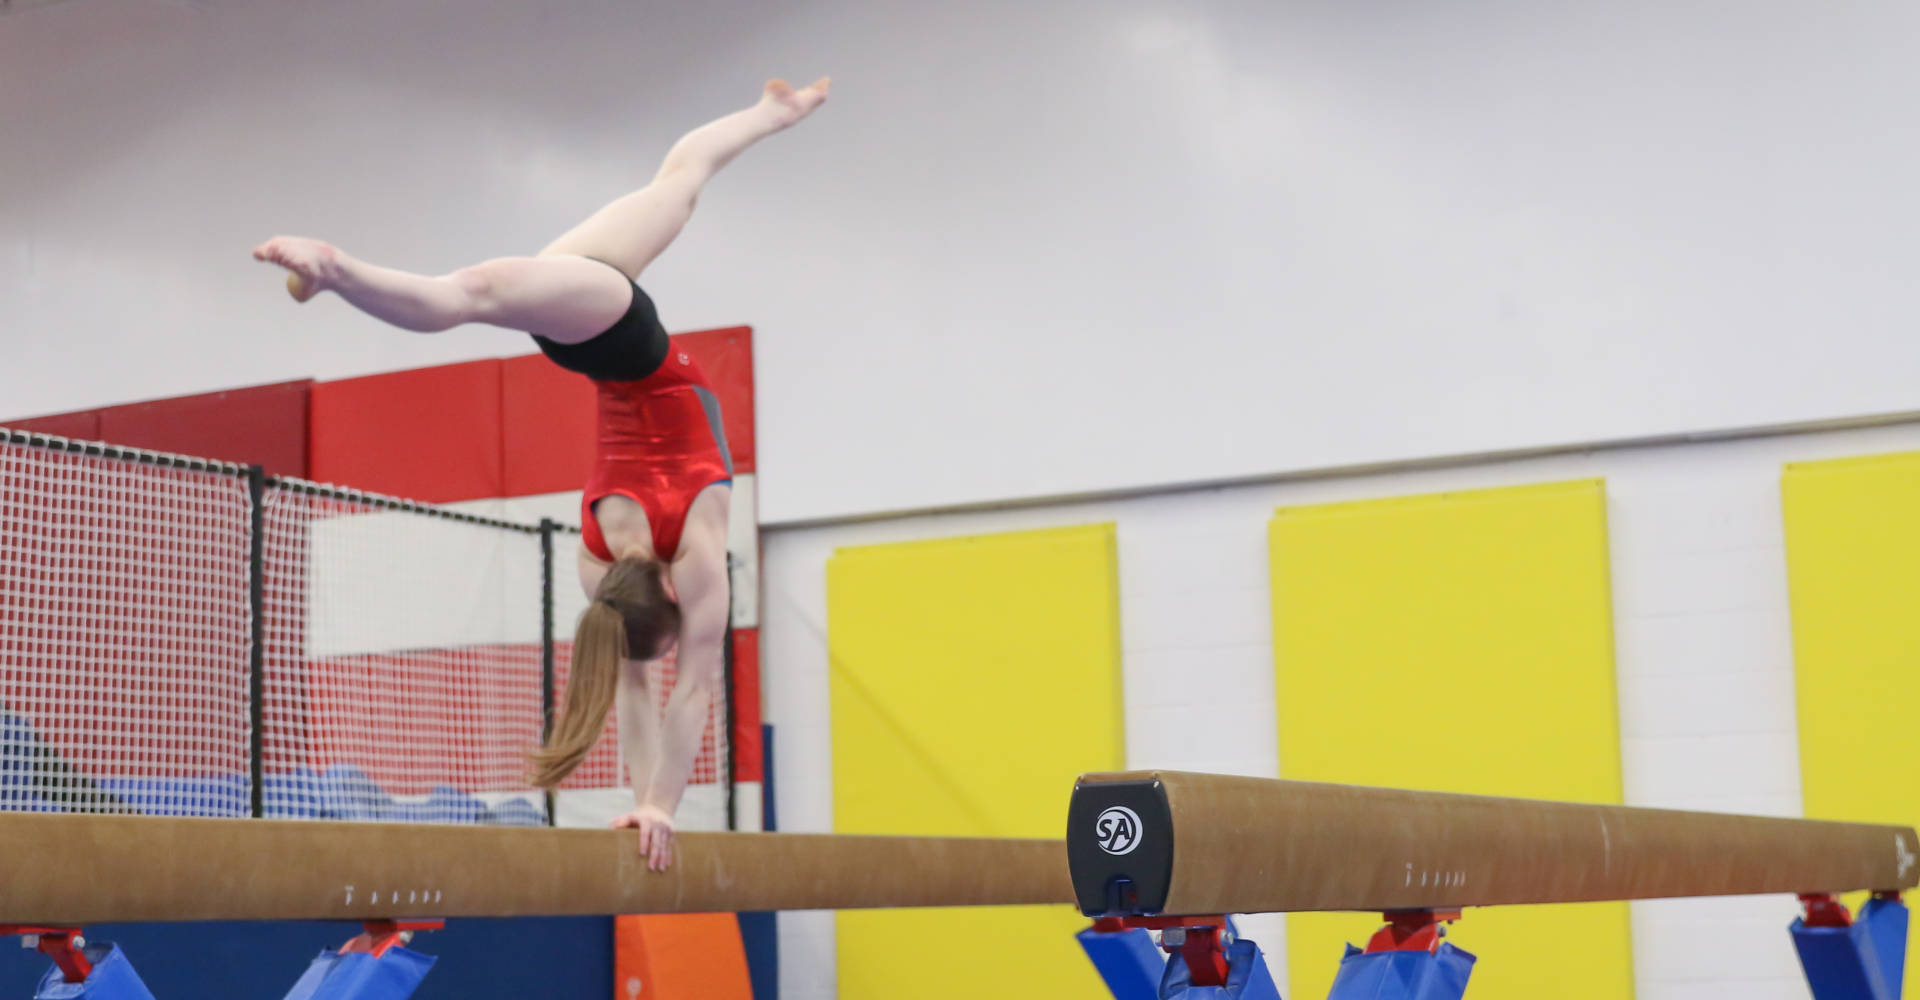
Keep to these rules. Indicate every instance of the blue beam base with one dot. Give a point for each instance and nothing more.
(1861, 962)
(360, 976)
(1128, 961)
(113, 978)
(1247, 977)
(1403, 975)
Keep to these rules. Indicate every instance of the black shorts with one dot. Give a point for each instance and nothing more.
(634, 347)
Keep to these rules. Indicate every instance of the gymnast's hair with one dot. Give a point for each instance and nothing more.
(631, 617)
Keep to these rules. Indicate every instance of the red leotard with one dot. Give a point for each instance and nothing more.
(658, 442)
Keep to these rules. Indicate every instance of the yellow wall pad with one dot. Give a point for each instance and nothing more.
(972, 679)
(1457, 642)
(1853, 573)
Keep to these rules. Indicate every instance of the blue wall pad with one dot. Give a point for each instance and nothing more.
(760, 932)
(218, 795)
(515, 812)
(345, 792)
(760, 939)
(769, 817)
(1247, 977)
(113, 978)
(1862, 962)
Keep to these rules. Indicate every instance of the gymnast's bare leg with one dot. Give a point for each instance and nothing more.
(560, 294)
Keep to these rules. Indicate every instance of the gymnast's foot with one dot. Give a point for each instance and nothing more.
(310, 264)
(789, 105)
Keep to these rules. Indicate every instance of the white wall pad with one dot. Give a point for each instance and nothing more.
(703, 807)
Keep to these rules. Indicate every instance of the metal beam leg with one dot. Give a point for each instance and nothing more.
(1406, 960)
(1126, 958)
(372, 966)
(1852, 959)
(1205, 961)
(1246, 977)
(81, 971)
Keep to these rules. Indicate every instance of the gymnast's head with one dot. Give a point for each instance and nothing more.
(633, 616)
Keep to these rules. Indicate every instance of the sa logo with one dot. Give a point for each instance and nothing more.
(1118, 830)
(684, 359)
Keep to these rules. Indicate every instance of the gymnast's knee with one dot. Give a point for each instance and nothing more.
(482, 291)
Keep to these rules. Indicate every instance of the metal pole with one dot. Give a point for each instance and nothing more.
(257, 601)
(547, 527)
(726, 673)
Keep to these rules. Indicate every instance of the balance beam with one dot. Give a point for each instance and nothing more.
(1189, 844)
(73, 870)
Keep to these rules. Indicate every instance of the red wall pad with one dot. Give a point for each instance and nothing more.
(748, 762)
(80, 425)
(548, 437)
(262, 425)
(428, 434)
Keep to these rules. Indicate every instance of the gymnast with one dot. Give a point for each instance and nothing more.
(653, 555)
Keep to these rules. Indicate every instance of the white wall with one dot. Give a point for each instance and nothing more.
(1029, 249)
(1702, 651)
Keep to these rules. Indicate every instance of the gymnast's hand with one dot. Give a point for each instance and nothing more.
(310, 264)
(656, 834)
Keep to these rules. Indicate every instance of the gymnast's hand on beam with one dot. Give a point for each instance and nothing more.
(656, 834)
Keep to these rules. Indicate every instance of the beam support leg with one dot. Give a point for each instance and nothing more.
(81, 971)
(1405, 960)
(1126, 958)
(373, 966)
(1205, 961)
(1852, 959)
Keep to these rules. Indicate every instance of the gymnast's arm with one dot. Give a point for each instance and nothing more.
(638, 726)
(700, 577)
(639, 730)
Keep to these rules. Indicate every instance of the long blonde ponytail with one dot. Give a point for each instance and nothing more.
(598, 645)
(631, 617)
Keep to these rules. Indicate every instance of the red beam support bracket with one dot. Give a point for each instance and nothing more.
(1201, 942)
(1824, 909)
(1412, 930)
(382, 936)
(62, 944)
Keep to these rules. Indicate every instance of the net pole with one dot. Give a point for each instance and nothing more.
(257, 637)
(547, 528)
(727, 716)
